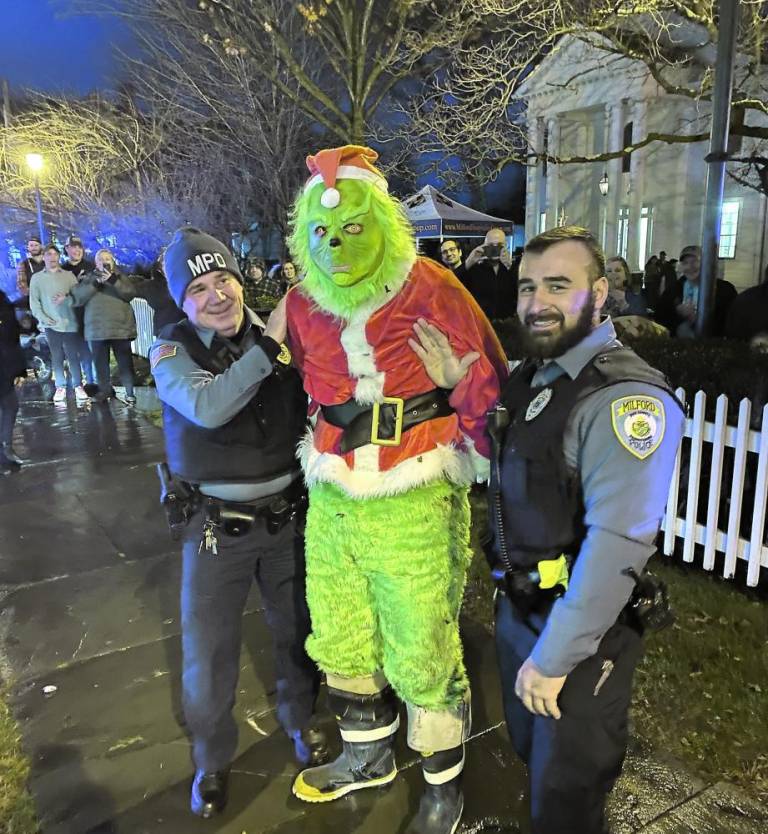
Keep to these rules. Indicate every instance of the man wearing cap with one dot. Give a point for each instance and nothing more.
(233, 411)
(79, 266)
(678, 306)
(29, 266)
(76, 262)
(388, 465)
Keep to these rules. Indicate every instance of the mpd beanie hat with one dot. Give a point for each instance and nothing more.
(191, 254)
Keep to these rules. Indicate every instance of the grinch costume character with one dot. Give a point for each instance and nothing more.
(388, 464)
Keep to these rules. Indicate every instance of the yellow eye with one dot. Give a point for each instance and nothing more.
(320, 231)
(353, 228)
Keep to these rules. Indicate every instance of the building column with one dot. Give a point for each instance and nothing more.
(533, 175)
(615, 118)
(553, 173)
(636, 258)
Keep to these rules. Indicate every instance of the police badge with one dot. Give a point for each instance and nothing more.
(538, 404)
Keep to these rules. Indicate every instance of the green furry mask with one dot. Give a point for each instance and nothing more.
(354, 254)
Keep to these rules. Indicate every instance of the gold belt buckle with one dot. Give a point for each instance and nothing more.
(399, 404)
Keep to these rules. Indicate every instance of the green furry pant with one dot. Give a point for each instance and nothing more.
(385, 579)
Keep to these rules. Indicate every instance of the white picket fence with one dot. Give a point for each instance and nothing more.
(144, 320)
(728, 540)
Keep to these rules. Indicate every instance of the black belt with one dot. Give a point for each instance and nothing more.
(236, 517)
(383, 423)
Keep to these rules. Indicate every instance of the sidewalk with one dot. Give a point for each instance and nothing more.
(89, 641)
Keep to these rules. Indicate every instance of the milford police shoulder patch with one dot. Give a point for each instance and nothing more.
(639, 422)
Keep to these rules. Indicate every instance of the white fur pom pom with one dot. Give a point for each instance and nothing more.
(330, 198)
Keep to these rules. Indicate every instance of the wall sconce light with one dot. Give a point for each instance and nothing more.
(603, 184)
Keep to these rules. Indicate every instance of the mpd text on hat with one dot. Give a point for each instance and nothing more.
(203, 262)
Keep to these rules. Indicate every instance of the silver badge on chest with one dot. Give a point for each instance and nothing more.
(538, 404)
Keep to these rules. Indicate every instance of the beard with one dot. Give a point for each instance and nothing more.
(556, 343)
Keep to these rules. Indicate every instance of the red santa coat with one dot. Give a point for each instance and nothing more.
(368, 357)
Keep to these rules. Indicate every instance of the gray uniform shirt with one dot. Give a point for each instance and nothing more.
(624, 500)
(211, 400)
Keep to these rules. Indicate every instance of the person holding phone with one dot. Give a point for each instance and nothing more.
(491, 276)
(108, 322)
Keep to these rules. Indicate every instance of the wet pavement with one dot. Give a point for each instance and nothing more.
(89, 642)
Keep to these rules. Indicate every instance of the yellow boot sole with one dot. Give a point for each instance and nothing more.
(307, 793)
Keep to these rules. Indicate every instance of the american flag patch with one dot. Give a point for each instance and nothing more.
(161, 352)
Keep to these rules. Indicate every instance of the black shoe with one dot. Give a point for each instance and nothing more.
(209, 793)
(91, 388)
(364, 762)
(310, 746)
(7, 452)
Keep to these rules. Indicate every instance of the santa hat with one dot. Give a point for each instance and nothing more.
(352, 162)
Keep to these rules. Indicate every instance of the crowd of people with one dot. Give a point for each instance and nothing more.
(666, 292)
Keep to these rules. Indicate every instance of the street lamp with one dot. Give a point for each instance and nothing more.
(35, 162)
(603, 184)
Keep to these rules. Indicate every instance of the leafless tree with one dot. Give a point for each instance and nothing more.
(88, 146)
(474, 112)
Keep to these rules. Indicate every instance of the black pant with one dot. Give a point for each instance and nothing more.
(9, 408)
(213, 596)
(122, 350)
(572, 762)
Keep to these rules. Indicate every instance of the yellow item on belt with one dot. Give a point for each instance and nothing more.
(553, 572)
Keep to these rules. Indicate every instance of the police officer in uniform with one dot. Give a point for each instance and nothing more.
(586, 435)
(233, 412)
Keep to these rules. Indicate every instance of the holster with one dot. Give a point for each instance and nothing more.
(179, 499)
(648, 608)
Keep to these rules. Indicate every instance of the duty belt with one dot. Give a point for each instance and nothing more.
(384, 423)
(236, 518)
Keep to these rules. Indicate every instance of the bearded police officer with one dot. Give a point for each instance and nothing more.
(233, 412)
(586, 435)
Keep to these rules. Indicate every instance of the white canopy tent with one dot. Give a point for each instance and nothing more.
(433, 215)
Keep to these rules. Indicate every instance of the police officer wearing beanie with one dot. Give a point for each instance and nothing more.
(585, 435)
(233, 412)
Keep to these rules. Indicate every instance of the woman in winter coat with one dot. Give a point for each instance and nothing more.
(12, 373)
(108, 322)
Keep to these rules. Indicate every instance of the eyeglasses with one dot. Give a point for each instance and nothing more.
(449, 249)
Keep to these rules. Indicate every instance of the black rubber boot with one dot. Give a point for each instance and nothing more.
(209, 793)
(367, 724)
(442, 803)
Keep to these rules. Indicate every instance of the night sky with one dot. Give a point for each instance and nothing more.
(44, 51)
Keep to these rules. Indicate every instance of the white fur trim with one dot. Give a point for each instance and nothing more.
(480, 463)
(360, 360)
(443, 462)
(351, 172)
